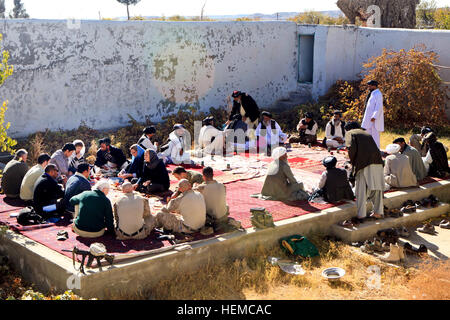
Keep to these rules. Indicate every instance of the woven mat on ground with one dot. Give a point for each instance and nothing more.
(240, 202)
(46, 234)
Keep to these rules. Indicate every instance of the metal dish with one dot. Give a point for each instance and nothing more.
(334, 273)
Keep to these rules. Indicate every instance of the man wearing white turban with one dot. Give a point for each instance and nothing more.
(397, 169)
(280, 183)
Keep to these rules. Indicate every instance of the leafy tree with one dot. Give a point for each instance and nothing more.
(425, 13)
(128, 3)
(442, 18)
(19, 11)
(314, 17)
(2, 9)
(6, 143)
(411, 86)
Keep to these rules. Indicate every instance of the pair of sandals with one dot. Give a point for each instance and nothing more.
(445, 224)
(62, 235)
(412, 250)
(427, 228)
(392, 213)
(430, 202)
(353, 222)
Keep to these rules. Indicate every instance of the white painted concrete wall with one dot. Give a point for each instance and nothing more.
(341, 51)
(106, 69)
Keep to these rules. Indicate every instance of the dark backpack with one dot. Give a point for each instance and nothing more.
(27, 216)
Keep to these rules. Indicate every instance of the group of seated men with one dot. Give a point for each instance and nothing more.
(128, 216)
(62, 182)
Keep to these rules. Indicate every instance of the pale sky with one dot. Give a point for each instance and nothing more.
(89, 9)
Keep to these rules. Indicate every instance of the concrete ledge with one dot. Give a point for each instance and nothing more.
(133, 278)
(369, 229)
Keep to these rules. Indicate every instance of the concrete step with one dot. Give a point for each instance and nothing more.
(369, 229)
(300, 96)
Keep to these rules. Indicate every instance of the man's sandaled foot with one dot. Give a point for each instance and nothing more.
(376, 216)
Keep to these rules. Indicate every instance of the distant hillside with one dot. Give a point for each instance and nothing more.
(274, 16)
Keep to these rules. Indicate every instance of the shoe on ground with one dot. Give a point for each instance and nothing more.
(367, 247)
(394, 254)
(409, 249)
(408, 203)
(445, 224)
(434, 200)
(346, 224)
(386, 246)
(395, 213)
(408, 209)
(403, 232)
(426, 203)
(427, 228)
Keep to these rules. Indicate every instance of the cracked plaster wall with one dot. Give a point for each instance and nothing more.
(104, 70)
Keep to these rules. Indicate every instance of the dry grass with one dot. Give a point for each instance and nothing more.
(255, 278)
(432, 282)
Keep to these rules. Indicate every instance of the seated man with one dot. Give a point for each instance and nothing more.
(435, 161)
(61, 159)
(192, 176)
(269, 134)
(235, 132)
(210, 139)
(77, 157)
(415, 160)
(28, 182)
(185, 212)
(280, 184)
(48, 192)
(215, 199)
(145, 141)
(335, 132)
(135, 168)
(132, 215)
(155, 177)
(334, 182)
(76, 184)
(176, 150)
(13, 174)
(397, 169)
(94, 213)
(307, 129)
(416, 141)
(109, 157)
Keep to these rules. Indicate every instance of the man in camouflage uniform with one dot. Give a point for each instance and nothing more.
(185, 212)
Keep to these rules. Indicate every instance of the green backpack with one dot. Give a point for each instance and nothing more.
(299, 245)
(261, 219)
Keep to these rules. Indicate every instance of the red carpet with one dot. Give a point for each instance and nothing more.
(240, 203)
(46, 234)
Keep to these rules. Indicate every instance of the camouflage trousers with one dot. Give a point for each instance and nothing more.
(149, 225)
(171, 221)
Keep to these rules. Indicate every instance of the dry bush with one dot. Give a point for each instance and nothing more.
(411, 86)
(36, 147)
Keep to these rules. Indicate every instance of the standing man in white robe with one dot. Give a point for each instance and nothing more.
(373, 120)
